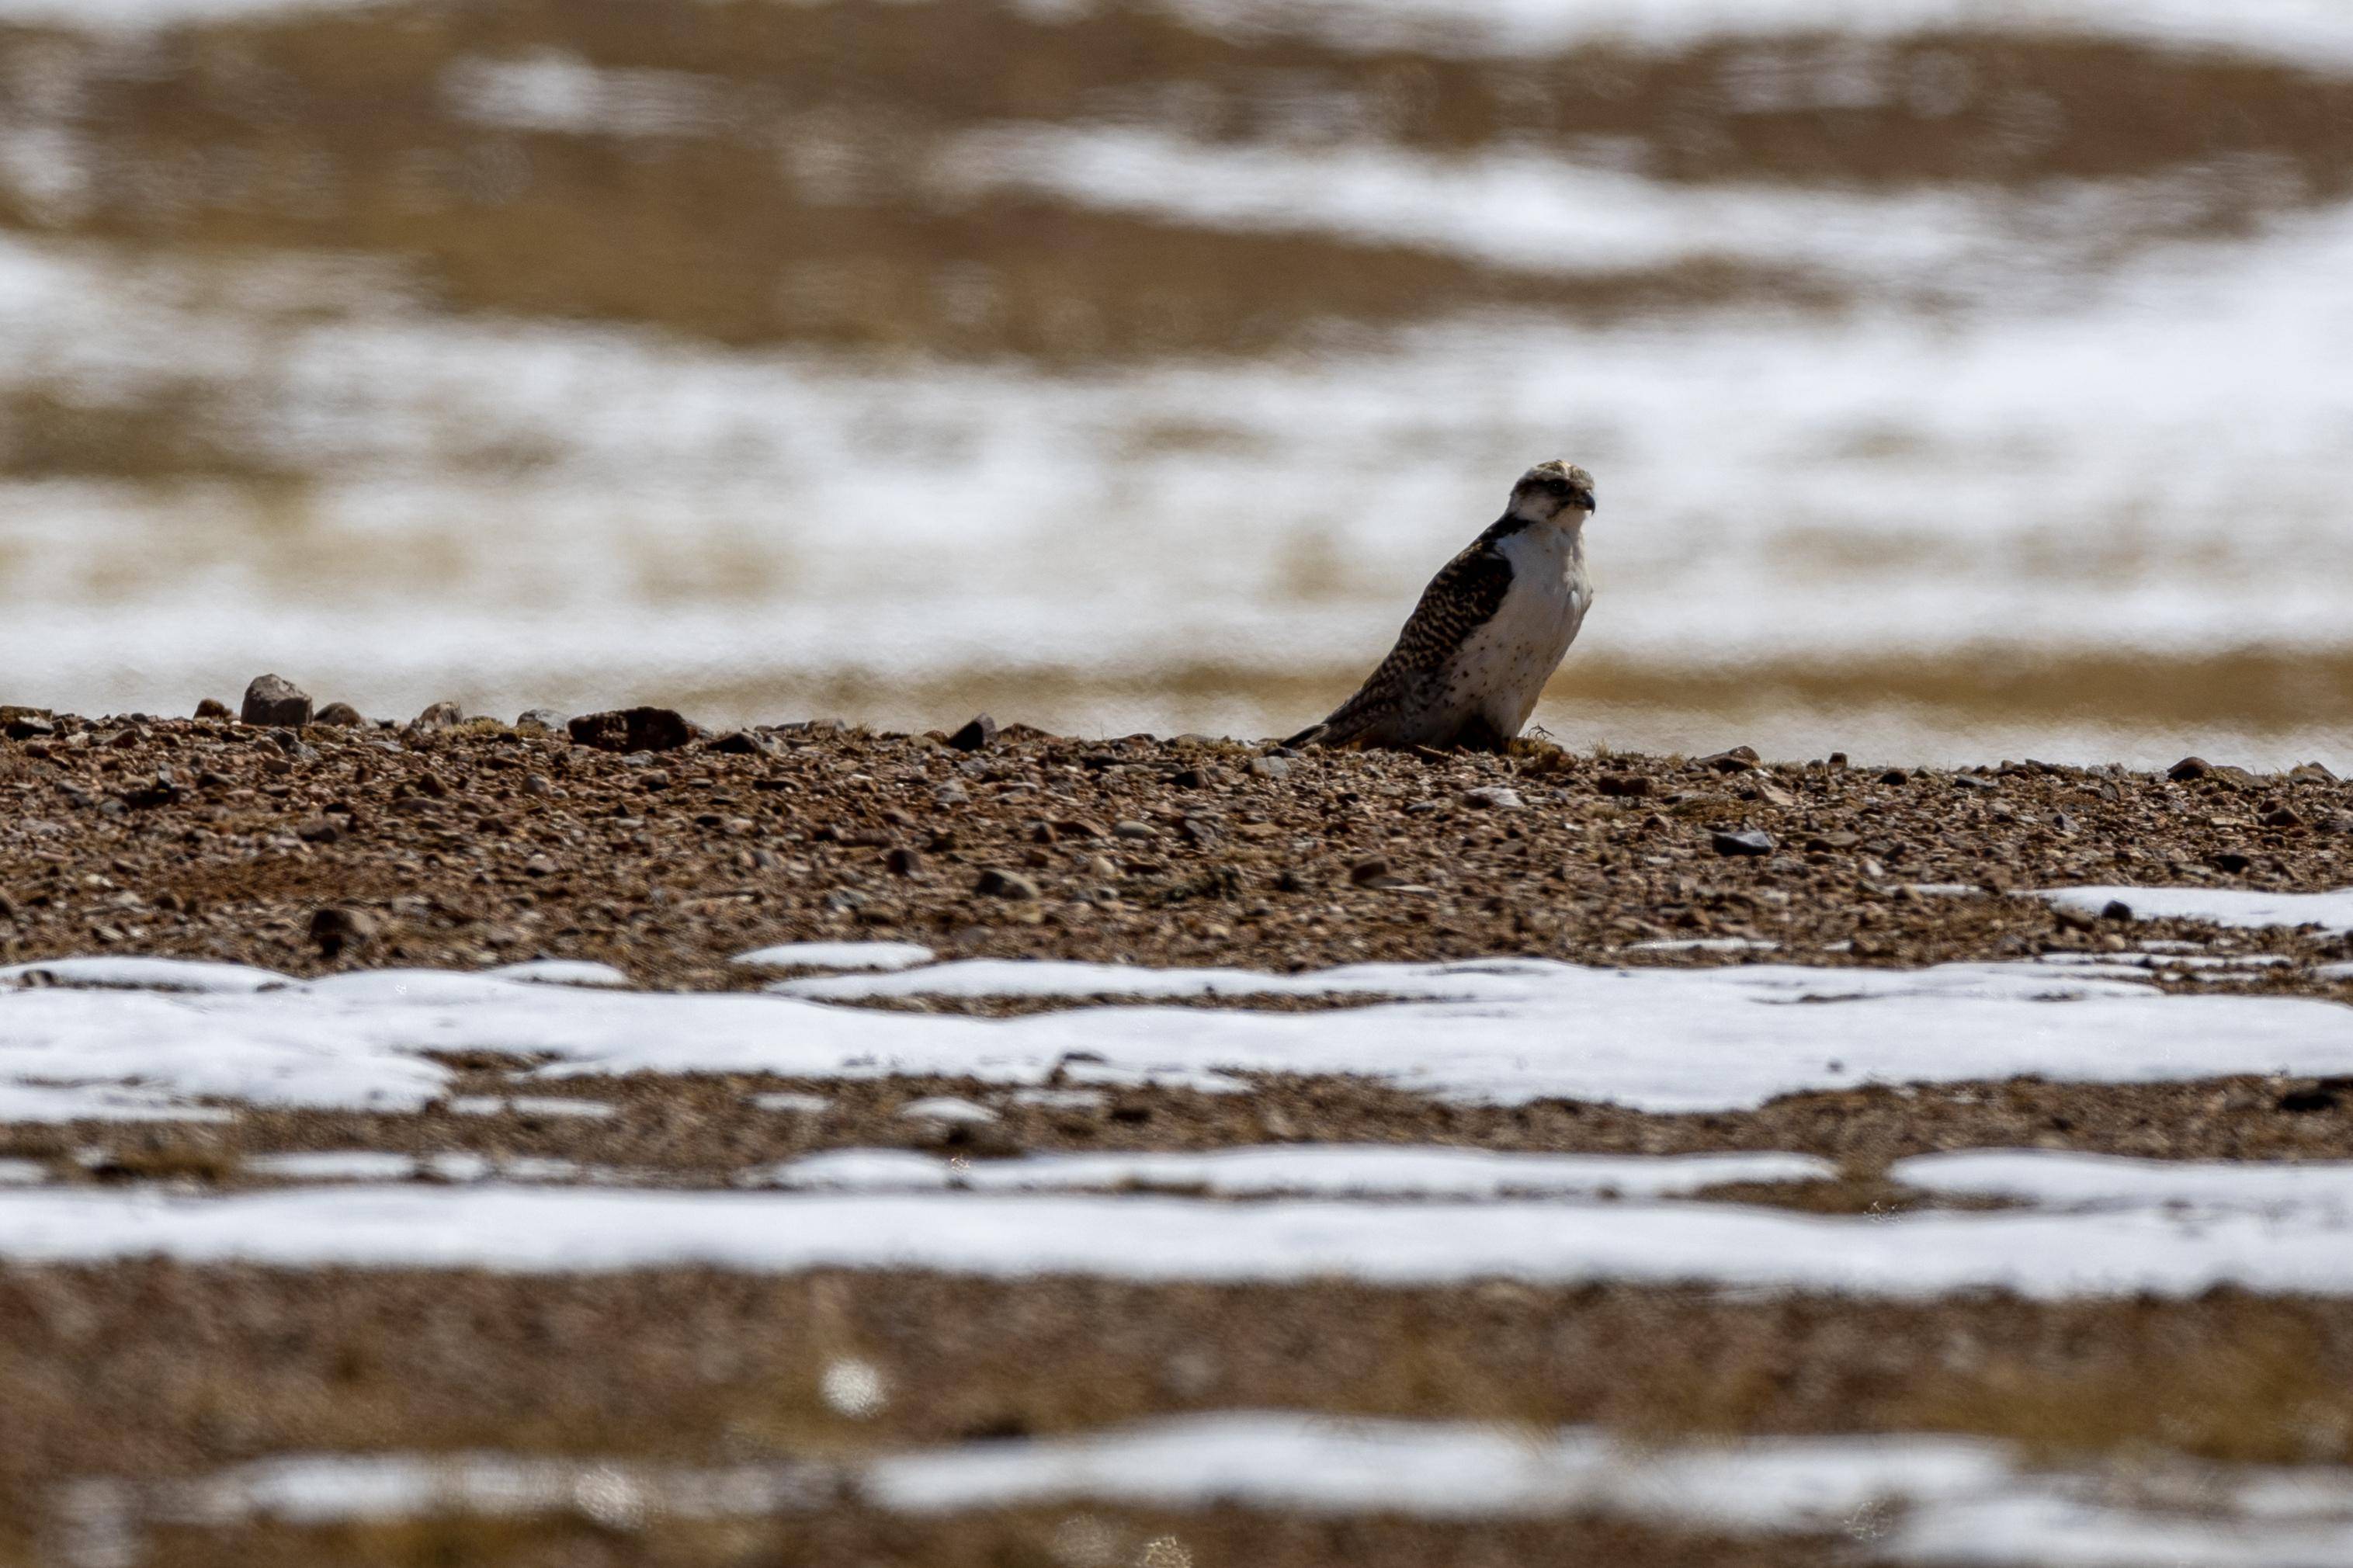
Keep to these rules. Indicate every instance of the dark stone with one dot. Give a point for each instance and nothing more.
(1746, 841)
(978, 735)
(2117, 909)
(213, 708)
(998, 884)
(1973, 781)
(2281, 816)
(148, 798)
(1894, 776)
(342, 715)
(2231, 860)
(273, 700)
(319, 830)
(337, 928)
(2188, 768)
(28, 727)
(1633, 787)
(2326, 1095)
(747, 743)
(904, 861)
(1738, 760)
(1372, 873)
(440, 716)
(632, 729)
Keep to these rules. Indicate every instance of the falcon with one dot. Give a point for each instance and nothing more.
(1491, 628)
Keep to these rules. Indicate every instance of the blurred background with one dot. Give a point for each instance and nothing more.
(1963, 379)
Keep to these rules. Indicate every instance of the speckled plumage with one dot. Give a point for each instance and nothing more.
(1488, 632)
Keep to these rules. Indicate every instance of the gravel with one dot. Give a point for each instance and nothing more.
(669, 853)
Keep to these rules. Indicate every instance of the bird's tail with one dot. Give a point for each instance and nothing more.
(1310, 736)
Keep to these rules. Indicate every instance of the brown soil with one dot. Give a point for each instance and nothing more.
(475, 843)
(156, 1370)
(705, 1130)
(1039, 1539)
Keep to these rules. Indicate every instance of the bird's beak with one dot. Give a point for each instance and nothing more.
(1583, 499)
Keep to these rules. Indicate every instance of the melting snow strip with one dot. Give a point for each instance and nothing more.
(2055, 1179)
(837, 955)
(1914, 1498)
(1320, 1170)
(2218, 906)
(582, 1230)
(1506, 1031)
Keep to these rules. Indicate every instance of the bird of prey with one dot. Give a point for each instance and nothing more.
(1491, 628)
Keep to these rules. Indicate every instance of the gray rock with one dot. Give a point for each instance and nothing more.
(1495, 797)
(1269, 768)
(748, 744)
(273, 700)
(539, 719)
(977, 735)
(1631, 786)
(2188, 768)
(440, 716)
(1746, 841)
(998, 884)
(342, 715)
(214, 707)
(1134, 830)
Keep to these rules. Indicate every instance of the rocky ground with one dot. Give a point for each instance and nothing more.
(307, 847)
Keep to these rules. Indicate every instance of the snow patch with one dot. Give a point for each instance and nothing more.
(875, 955)
(563, 972)
(2219, 906)
(2054, 1178)
(576, 1230)
(1925, 1499)
(1322, 1170)
(1503, 1032)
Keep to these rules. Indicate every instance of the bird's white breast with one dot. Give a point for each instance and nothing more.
(1503, 666)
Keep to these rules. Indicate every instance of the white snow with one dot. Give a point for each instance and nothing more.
(134, 973)
(2221, 906)
(22, 1174)
(1503, 1031)
(794, 1104)
(563, 972)
(381, 1166)
(96, 1103)
(2052, 1179)
(528, 1105)
(334, 1165)
(1917, 1498)
(946, 1108)
(878, 955)
(530, 1230)
(1524, 208)
(1323, 1170)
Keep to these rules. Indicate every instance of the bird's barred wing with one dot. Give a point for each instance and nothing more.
(1463, 597)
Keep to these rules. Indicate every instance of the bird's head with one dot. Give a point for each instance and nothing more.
(1554, 493)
